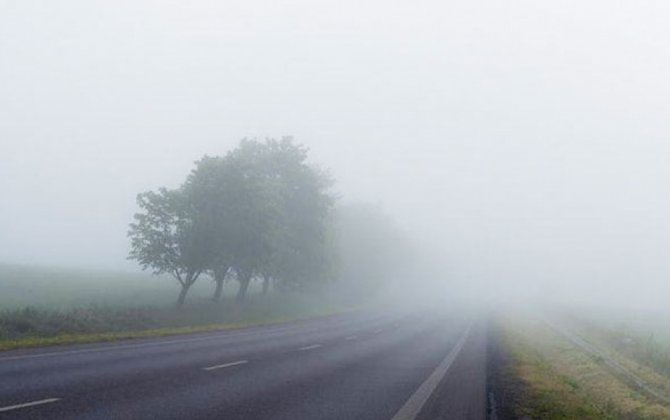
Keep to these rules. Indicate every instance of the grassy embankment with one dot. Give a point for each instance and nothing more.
(644, 338)
(561, 381)
(40, 307)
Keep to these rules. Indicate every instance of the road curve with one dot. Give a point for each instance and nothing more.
(354, 366)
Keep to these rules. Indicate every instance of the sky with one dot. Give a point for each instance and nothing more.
(525, 144)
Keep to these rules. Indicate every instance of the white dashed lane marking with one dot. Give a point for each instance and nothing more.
(225, 365)
(312, 347)
(29, 404)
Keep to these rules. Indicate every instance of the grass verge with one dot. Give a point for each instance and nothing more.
(30, 327)
(66, 339)
(564, 382)
(628, 344)
(47, 306)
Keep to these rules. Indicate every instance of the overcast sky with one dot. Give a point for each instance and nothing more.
(520, 140)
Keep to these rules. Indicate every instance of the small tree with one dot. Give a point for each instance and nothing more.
(168, 238)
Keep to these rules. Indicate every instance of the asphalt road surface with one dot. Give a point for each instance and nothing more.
(352, 366)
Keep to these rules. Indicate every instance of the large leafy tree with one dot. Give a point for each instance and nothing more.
(273, 213)
(259, 211)
(208, 188)
(302, 255)
(169, 237)
(243, 206)
(255, 212)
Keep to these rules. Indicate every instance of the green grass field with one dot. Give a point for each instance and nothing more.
(43, 306)
(60, 288)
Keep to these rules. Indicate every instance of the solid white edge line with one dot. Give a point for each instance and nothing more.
(415, 403)
(312, 347)
(225, 365)
(29, 404)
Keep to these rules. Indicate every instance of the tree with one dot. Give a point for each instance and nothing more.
(255, 212)
(220, 273)
(258, 211)
(168, 237)
(302, 256)
(208, 188)
(240, 205)
(296, 246)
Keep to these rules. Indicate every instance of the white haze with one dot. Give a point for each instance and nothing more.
(524, 144)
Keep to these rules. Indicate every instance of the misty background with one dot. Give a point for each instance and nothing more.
(522, 147)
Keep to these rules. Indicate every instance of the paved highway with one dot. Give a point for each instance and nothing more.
(351, 366)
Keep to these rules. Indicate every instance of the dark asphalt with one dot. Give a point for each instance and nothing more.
(353, 366)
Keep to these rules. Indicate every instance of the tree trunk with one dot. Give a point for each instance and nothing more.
(244, 285)
(266, 284)
(182, 294)
(185, 285)
(219, 277)
(218, 291)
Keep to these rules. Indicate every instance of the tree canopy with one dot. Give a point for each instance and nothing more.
(259, 211)
(168, 237)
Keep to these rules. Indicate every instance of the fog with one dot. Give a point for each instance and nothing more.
(522, 146)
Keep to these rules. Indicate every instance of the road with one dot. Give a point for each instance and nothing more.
(351, 366)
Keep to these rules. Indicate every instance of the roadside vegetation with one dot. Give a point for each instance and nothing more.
(644, 338)
(58, 288)
(558, 380)
(260, 211)
(46, 306)
(32, 326)
(254, 236)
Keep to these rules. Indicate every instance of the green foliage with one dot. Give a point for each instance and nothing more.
(260, 210)
(168, 237)
(302, 254)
